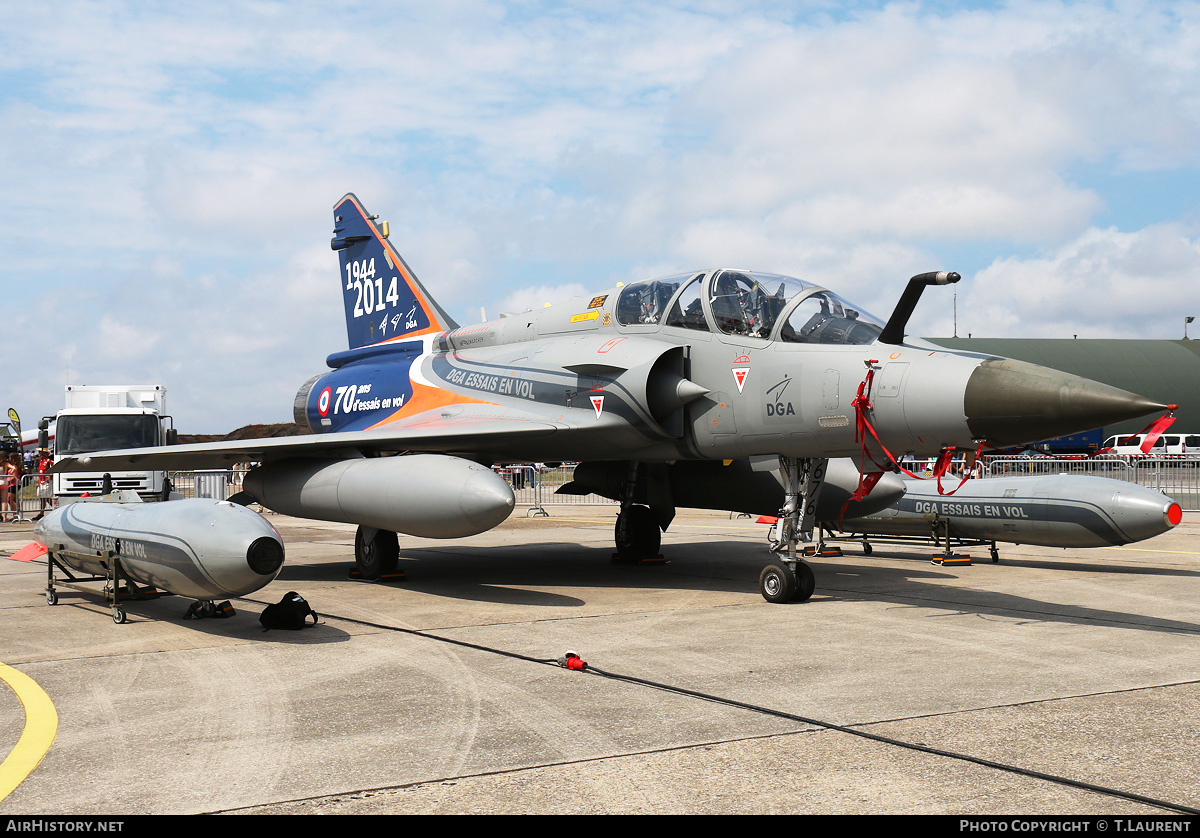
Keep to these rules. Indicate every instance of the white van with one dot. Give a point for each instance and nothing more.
(1174, 444)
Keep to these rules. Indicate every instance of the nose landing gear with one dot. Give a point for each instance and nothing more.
(789, 579)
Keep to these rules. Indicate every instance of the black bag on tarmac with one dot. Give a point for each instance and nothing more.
(291, 612)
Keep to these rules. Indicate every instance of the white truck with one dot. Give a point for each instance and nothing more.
(103, 417)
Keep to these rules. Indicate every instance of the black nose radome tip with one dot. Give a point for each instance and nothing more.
(1012, 403)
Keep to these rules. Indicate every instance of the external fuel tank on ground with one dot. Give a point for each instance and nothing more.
(1062, 510)
(201, 548)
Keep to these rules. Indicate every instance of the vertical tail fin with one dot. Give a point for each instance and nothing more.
(384, 300)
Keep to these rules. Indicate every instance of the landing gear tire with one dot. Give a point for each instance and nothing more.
(806, 582)
(780, 583)
(376, 555)
(777, 583)
(637, 534)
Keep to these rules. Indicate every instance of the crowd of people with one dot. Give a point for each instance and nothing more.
(12, 468)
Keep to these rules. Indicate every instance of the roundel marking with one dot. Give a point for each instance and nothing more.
(323, 401)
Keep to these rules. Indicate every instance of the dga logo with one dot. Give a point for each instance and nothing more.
(323, 401)
(776, 406)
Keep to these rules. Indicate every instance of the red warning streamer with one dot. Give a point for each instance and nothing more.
(1152, 431)
(862, 427)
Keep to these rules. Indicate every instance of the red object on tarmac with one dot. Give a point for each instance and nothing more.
(29, 552)
(573, 661)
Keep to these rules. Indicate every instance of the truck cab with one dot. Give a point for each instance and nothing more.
(108, 417)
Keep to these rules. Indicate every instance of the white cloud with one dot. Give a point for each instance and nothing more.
(1105, 283)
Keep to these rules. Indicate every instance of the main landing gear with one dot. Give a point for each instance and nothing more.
(647, 508)
(376, 552)
(637, 534)
(788, 578)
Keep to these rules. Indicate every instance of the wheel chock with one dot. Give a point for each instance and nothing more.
(950, 559)
(826, 551)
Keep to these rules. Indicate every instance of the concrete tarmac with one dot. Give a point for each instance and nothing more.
(440, 694)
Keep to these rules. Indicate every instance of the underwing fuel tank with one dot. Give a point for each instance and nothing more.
(429, 495)
(1065, 510)
(201, 548)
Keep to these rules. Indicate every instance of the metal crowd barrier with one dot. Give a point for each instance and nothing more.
(28, 504)
(1118, 468)
(208, 483)
(1178, 477)
(190, 484)
(535, 487)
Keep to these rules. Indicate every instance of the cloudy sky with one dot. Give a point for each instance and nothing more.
(168, 170)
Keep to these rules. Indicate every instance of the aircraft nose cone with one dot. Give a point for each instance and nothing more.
(1011, 402)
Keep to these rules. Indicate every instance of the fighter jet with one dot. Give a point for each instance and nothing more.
(652, 376)
(1060, 510)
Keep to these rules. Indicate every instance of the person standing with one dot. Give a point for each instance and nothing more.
(15, 471)
(45, 485)
(8, 482)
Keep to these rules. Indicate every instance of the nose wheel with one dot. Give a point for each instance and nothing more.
(786, 582)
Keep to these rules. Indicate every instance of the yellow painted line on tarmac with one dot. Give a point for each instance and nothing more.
(1147, 550)
(41, 726)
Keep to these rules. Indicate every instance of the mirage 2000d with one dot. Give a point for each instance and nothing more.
(657, 380)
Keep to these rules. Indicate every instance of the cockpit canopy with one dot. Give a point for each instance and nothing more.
(758, 305)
